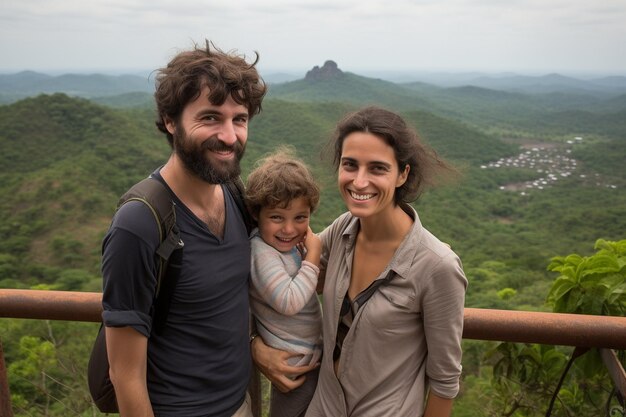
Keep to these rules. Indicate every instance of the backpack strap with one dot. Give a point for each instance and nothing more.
(158, 198)
(154, 194)
(237, 190)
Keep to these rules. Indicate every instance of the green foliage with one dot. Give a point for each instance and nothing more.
(31, 374)
(506, 293)
(525, 376)
(47, 366)
(591, 284)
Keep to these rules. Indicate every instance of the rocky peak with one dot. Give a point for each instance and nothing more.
(327, 71)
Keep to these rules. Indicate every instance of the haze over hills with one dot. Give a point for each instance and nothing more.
(549, 83)
(28, 83)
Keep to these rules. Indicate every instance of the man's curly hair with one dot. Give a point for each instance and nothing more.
(225, 73)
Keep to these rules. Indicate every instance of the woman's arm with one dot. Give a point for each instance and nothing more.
(273, 364)
(437, 406)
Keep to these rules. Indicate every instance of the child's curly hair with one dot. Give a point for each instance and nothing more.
(278, 179)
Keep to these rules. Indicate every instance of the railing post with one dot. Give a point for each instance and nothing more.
(5, 396)
(618, 375)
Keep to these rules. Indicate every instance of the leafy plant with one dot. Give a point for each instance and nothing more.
(524, 375)
(591, 285)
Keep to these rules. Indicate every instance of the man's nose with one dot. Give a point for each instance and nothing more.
(227, 133)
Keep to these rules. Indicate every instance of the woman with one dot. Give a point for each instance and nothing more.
(393, 293)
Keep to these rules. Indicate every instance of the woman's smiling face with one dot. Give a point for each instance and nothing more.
(368, 174)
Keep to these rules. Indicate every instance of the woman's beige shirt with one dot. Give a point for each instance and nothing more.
(405, 340)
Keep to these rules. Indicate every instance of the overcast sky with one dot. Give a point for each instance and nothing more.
(524, 36)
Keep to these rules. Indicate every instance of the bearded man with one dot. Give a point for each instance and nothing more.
(199, 363)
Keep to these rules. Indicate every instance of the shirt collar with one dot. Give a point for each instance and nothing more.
(403, 258)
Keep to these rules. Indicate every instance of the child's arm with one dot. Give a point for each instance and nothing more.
(313, 252)
(284, 293)
(311, 248)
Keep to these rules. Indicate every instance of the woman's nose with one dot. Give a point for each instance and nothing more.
(361, 180)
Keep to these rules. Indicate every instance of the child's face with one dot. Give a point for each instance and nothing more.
(283, 228)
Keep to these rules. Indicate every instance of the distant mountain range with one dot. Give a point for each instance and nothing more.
(550, 83)
(29, 83)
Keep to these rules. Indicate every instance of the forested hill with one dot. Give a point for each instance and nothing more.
(63, 163)
(350, 88)
(47, 130)
(555, 102)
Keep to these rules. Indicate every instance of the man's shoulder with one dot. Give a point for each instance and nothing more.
(136, 218)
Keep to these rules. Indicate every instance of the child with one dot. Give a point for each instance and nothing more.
(281, 195)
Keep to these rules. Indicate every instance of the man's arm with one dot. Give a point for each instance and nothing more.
(127, 350)
(437, 406)
(273, 364)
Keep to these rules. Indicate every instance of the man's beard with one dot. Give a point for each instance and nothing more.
(193, 157)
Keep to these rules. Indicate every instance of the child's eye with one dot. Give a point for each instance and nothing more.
(302, 218)
(276, 218)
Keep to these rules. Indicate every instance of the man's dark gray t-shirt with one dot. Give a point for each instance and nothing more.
(200, 364)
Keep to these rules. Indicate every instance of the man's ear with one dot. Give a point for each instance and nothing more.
(169, 125)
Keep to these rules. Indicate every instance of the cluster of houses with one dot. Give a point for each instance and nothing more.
(551, 161)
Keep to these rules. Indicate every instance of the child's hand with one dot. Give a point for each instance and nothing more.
(301, 248)
(313, 246)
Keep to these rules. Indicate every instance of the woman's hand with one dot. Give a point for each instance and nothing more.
(273, 364)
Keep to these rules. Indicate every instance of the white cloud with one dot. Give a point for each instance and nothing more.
(393, 34)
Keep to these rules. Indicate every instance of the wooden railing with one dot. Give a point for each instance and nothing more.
(583, 331)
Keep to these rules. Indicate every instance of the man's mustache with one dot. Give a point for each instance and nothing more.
(216, 145)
